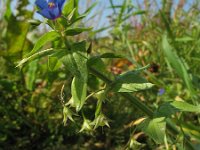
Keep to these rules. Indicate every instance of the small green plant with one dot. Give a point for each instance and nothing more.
(137, 73)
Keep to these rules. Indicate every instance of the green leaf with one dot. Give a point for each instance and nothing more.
(47, 37)
(68, 7)
(76, 31)
(176, 63)
(155, 129)
(70, 11)
(54, 59)
(79, 91)
(130, 82)
(121, 13)
(90, 8)
(77, 18)
(101, 96)
(131, 87)
(16, 38)
(8, 12)
(86, 126)
(67, 114)
(97, 59)
(31, 74)
(165, 110)
(184, 39)
(183, 106)
(139, 12)
(38, 55)
(110, 55)
(34, 22)
(52, 62)
(100, 121)
(76, 61)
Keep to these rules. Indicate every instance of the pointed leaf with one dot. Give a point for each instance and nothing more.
(47, 37)
(130, 82)
(176, 63)
(36, 56)
(183, 106)
(79, 91)
(155, 129)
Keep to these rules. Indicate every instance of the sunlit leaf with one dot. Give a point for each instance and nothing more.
(79, 91)
(37, 55)
(184, 106)
(76, 61)
(44, 39)
(176, 63)
(130, 82)
(155, 128)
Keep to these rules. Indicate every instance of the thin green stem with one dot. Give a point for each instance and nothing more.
(93, 93)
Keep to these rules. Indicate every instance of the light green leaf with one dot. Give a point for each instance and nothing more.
(76, 61)
(176, 63)
(52, 62)
(101, 96)
(183, 106)
(68, 7)
(47, 37)
(54, 59)
(90, 8)
(184, 39)
(132, 87)
(155, 129)
(67, 114)
(38, 55)
(130, 82)
(79, 91)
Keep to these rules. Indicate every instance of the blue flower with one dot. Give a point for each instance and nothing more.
(161, 91)
(50, 9)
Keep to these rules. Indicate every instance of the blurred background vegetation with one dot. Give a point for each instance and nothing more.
(162, 33)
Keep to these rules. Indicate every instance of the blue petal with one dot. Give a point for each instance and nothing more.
(60, 3)
(41, 4)
(52, 1)
(45, 13)
(55, 12)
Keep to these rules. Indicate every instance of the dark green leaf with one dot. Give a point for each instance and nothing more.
(75, 31)
(110, 55)
(80, 58)
(166, 110)
(31, 74)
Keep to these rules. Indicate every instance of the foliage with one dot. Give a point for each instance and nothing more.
(67, 88)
